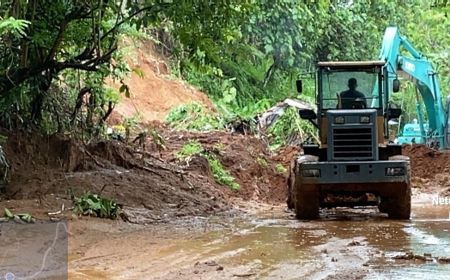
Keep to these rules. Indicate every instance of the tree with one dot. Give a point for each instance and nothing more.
(42, 39)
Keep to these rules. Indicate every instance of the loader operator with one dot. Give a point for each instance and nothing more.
(351, 98)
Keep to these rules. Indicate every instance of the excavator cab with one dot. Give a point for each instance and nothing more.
(354, 164)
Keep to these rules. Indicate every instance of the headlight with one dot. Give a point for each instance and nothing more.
(364, 119)
(339, 120)
(395, 171)
(311, 173)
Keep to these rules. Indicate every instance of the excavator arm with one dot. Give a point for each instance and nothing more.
(422, 73)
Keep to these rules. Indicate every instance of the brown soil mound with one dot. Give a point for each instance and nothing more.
(47, 170)
(246, 157)
(426, 162)
(152, 185)
(154, 94)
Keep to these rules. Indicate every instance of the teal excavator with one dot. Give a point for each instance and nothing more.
(355, 162)
(435, 132)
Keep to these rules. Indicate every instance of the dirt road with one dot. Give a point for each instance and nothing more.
(344, 244)
(191, 241)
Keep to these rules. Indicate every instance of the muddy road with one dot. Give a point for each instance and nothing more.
(187, 226)
(269, 244)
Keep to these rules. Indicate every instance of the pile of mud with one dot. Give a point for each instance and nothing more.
(151, 184)
(430, 168)
(153, 92)
(260, 173)
(48, 171)
(427, 162)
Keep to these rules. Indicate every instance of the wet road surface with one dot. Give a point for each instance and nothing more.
(343, 244)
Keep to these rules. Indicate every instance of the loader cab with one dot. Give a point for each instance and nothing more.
(349, 85)
(338, 108)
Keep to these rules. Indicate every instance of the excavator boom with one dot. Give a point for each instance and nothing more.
(420, 70)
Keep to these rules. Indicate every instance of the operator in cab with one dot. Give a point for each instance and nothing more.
(351, 98)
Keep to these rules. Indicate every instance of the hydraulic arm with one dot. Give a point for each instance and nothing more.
(422, 73)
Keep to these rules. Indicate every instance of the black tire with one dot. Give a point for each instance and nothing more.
(290, 187)
(383, 207)
(400, 207)
(307, 205)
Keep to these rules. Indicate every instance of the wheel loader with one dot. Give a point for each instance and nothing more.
(354, 165)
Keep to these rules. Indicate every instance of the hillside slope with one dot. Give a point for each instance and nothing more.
(156, 93)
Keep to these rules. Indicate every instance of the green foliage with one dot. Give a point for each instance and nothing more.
(23, 217)
(246, 55)
(261, 162)
(220, 174)
(194, 116)
(94, 205)
(275, 26)
(72, 47)
(279, 168)
(158, 139)
(4, 166)
(290, 129)
(15, 27)
(191, 148)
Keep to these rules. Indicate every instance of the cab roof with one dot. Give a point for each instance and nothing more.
(343, 64)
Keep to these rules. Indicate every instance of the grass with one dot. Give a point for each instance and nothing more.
(220, 174)
(191, 148)
(280, 169)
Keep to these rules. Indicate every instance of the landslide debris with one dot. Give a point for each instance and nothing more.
(246, 157)
(47, 170)
(152, 185)
(430, 168)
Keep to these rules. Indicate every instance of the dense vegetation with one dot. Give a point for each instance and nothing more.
(55, 55)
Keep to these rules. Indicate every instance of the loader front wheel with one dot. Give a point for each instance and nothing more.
(307, 205)
(400, 206)
(291, 185)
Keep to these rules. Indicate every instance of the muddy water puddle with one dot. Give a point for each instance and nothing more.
(344, 244)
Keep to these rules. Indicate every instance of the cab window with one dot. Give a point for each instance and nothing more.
(349, 89)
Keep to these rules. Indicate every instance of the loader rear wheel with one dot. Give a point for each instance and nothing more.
(307, 205)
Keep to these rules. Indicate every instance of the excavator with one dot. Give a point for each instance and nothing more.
(355, 163)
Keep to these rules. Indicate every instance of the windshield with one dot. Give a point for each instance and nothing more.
(349, 90)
